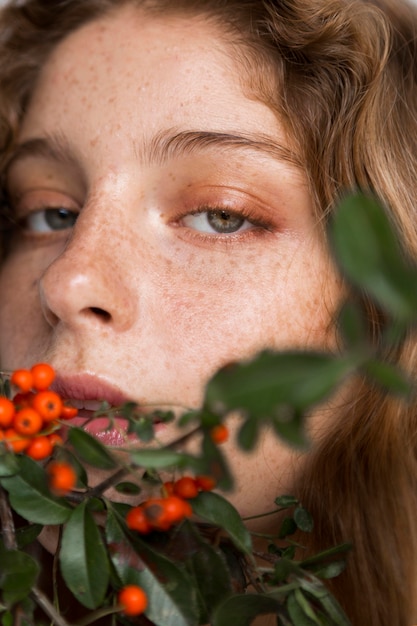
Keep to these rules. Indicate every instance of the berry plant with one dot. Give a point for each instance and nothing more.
(182, 555)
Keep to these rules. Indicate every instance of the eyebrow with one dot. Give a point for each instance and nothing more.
(162, 147)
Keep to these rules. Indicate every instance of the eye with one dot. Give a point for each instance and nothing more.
(51, 219)
(219, 221)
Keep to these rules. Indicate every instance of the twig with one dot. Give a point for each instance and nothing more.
(7, 522)
(43, 601)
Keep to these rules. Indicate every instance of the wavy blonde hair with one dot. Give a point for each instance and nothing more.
(341, 74)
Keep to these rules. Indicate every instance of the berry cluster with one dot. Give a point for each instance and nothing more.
(29, 421)
(162, 513)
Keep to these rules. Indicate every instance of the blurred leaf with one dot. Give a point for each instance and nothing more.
(368, 252)
(18, 573)
(303, 519)
(300, 611)
(8, 463)
(263, 386)
(90, 449)
(241, 610)
(285, 501)
(83, 558)
(214, 463)
(29, 495)
(288, 527)
(215, 509)
(128, 488)
(328, 563)
(160, 458)
(389, 377)
(248, 434)
(288, 424)
(352, 325)
(27, 534)
(143, 428)
(332, 609)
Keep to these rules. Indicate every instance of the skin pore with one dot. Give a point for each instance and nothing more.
(164, 230)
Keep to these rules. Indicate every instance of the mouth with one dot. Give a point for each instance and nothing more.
(99, 409)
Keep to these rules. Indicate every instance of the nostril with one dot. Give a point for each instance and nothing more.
(105, 316)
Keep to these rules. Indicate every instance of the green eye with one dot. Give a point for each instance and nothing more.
(51, 219)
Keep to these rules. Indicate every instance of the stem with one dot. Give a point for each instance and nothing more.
(96, 615)
(99, 489)
(43, 601)
(247, 519)
(7, 522)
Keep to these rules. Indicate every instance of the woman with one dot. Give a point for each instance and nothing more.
(169, 168)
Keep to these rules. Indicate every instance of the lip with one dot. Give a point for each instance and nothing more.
(87, 393)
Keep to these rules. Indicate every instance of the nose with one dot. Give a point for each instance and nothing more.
(87, 285)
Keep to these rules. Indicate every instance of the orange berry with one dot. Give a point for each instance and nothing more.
(133, 599)
(155, 513)
(27, 422)
(43, 376)
(137, 520)
(7, 411)
(186, 487)
(55, 439)
(22, 379)
(219, 433)
(39, 448)
(62, 477)
(176, 509)
(22, 400)
(48, 404)
(68, 412)
(205, 483)
(168, 488)
(14, 441)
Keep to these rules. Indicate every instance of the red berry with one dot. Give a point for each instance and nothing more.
(27, 422)
(176, 509)
(68, 412)
(48, 404)
(43, 376)
(62, 477)
(133, 599)
(14, 441)
(137, 520)
(186, 487)
(205, 483)
(39, 448)
(7, 411)
(22, 379)
(219, 433)
(155, 513)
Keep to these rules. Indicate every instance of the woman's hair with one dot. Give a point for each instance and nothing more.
(341, 74)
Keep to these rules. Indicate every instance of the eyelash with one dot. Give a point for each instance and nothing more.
(259, 225)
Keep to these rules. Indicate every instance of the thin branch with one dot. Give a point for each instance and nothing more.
(7, 523)
(46, 605)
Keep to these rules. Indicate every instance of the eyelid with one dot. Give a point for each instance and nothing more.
(244, 212)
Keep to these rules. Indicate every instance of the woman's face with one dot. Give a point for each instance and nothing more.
(163, 231)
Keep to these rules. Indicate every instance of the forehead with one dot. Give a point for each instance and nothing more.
(146, 72)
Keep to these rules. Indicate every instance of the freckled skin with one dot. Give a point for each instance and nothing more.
(178, 305)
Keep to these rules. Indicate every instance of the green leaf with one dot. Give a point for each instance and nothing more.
(215, 509)
(285, 501)
(27, 534)
(214, 463)
(332, 609)
(83, 558)
(272, 382)
(160, 458)
(143, 428)
(288, 527)
(90, 449)
(18, 573)
(29, 495)
(351, 321)
(297, 611)
(8, 463)
(248, 434)
(367, 249)
(241, 610)
(389, 376)
(207, 566)
(128, 488)
(303, 519)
